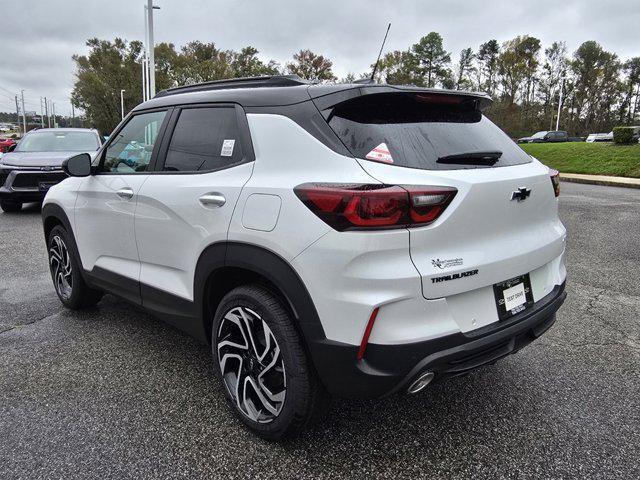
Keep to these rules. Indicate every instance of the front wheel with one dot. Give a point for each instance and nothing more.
(71, 288)
(10, 207)
(260, 361)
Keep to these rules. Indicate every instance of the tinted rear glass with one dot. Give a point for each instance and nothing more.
(419, 129)
(204, 139)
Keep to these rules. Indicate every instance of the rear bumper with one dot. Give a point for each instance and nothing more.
(387, 369)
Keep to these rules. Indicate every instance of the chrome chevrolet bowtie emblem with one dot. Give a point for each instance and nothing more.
(521, 194)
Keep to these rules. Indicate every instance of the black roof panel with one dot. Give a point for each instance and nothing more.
(280, 91)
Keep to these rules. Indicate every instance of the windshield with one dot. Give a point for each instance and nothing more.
(424, 131)
(59, 142)
(539, 134)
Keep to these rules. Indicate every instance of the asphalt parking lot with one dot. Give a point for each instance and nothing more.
(113, 393)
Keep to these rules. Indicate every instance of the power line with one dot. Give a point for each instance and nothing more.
(8, 91)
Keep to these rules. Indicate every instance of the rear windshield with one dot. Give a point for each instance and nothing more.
(425, 131)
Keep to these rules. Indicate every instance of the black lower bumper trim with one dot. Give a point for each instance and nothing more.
(17, 196)
(387, 369)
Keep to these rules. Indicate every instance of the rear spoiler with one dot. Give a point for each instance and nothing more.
(326, 101)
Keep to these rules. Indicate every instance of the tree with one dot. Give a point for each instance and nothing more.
(247, 64)
(432, 60)
(311, 66)
(596, 75)
(112, 66)
(488, 65)
(631, 69)
(398, 68)
(553, 70)
(517, 66)
(201, 62)
(108, 68)
(465, 69)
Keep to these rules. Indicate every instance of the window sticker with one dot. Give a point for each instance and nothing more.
(227, 148)
(380, 154)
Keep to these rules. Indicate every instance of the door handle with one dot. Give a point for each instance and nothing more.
(125, 193)
(214, 199)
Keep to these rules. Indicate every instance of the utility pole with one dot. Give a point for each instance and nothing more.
(122, 104)
(18, 113)
(53, 110)
(559, 104)
(73, 116)
(46, 112)
(150, 50)
(24, 116)
(41, 116)
(145, 58)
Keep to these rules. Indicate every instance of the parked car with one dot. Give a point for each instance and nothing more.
(550, 136)
(6, 144)
(600, 137)
(35, 164)
(350, 240)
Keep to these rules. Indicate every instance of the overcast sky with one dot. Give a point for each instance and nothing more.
(38, 37)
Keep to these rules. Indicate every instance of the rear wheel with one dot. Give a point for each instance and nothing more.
(260, 360)
(71, 288)
(10, 207)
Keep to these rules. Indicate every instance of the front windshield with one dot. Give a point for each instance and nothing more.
(539, 134)
(59, 142)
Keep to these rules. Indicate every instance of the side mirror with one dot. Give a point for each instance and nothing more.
(12, 147)
(78, 165)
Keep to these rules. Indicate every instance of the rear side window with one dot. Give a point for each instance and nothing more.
(204, 139)
(424, 131)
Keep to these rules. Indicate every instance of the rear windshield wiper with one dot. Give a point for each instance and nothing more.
(471, 158)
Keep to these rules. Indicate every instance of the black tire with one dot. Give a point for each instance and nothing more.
(78, 295)
(304, 397)
(10, 207)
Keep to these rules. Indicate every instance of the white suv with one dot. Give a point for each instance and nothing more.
(353, 240)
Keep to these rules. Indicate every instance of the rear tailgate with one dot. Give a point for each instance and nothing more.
(486, 235)
(483, 237)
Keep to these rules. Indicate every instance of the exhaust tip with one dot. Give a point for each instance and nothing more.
(422, 381)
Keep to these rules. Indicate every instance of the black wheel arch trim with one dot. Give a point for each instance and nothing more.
(267, 264)
(54, 212)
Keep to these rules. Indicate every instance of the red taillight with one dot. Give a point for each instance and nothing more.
(371, 206)
(555, 181)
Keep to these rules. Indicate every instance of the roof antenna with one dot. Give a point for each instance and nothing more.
(375, 67)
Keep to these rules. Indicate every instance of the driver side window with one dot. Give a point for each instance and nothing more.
(131, 149)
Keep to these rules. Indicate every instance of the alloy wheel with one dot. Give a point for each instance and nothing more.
(251, 364)
(60, 264)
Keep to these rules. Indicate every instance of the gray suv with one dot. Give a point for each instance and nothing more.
(35, 164)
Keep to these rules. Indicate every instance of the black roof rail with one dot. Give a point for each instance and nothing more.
(244, 82)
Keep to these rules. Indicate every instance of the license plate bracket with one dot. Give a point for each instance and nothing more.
(513, 296)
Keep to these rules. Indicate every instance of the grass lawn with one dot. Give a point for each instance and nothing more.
(589, 158)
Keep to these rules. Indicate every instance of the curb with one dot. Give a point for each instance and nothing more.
(612, 182)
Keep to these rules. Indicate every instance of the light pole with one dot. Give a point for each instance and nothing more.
(122, 105)
(46, 112)
(150, 7)
(559, 103)
(41, 114)
(24, 116)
